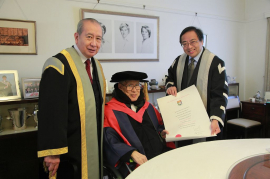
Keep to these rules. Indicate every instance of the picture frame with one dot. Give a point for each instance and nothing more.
(30, 87)
(17, 37)
(9, 85)
(204, 40)
(127, 37)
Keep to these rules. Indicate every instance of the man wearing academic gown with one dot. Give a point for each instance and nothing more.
(71, 108)
(133, 129)
(200, 67)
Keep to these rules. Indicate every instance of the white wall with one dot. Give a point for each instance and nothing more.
(222, 21)
(256, 27)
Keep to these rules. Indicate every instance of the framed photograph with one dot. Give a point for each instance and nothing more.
(17, 37)
(9, 85)
(204, 40)
(30, 87)
(127, 37)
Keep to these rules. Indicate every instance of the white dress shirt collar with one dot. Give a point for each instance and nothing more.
(83, 58)
(196, 59)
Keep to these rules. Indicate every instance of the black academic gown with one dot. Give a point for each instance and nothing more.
(60, 119)
(126, 131)
(217, 86)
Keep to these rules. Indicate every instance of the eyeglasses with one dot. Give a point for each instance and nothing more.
(186, 44)
(131, 87)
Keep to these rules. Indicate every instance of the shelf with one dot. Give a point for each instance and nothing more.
(233, 84)
(11, 131)
(156, 91)
(7, 133)
(18, 101)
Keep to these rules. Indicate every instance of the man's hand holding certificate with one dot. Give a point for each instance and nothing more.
(185, 116)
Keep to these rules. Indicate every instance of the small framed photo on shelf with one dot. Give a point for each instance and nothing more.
(30, 87)
(9, 85)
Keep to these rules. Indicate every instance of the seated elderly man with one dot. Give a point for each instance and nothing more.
(133, 128)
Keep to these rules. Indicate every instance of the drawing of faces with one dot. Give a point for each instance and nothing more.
(146, 32)
(124, 30)
(124, 37)
(144, 40)
(106, 45)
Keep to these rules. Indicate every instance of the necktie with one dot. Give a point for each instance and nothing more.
(87, 66)
(191, 67)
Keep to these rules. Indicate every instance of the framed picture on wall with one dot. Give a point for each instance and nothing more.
(17, 37)
(9, 85)
(127, 37)
(30, 87)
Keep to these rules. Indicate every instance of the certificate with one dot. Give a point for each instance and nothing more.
(185, 116)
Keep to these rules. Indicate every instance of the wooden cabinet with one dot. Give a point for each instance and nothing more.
(18, 156)
(256, 111)
(18, 149)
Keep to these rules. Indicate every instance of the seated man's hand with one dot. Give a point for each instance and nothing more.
(138, 157)
(172, 91)
(52, 162)
(163, 133)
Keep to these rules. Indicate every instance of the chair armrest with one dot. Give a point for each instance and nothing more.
(111, 172)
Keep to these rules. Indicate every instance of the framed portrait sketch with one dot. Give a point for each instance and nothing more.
(127, 37)
(9, 85)
(204, 40)
(30, 87)
(17, 37)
